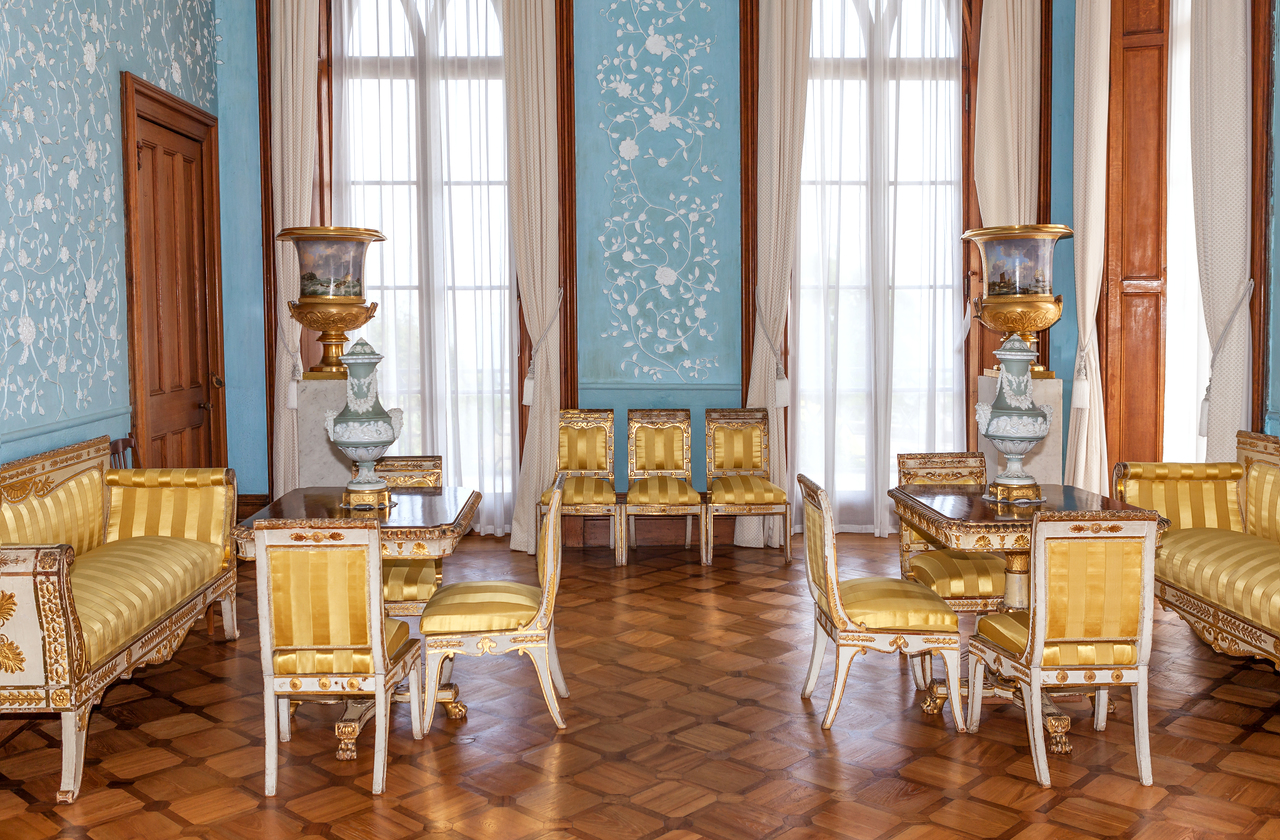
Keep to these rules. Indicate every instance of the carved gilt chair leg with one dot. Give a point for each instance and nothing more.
(435, 661)
(619, 537)
(382, 711)
(922, 669)
(553, 656)
(230, 630)
(1141, 726)
(786, 533)
(844, 656)
(538, 655)
(74, 727)
(631, 521)
(977, 671)
(815, 660)
(271, 732)
(1033, 705)
(1101, 703)
(951, 664)
(708, 537)
(283, 712)
(415, 699)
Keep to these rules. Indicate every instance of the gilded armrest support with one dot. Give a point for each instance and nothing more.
(42, 653)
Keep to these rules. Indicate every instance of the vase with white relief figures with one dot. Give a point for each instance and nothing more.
(363, 429)
(1014, 423)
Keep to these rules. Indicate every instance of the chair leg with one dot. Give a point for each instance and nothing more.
(1141, 726)
(977, 671)
(613, 537)
(844, 656)
(286, 722)
(619, 537)
(270, 733)
(73, 737)
(1101, 699)
(553, 656)
(786, 533)
(708, 537)
(431, 678)
(815, 660)
(922, 669)
(631, 521)
(381, 711)
(688, 531)
(229, 629)
(542, 664)
(951, 664)
(1033, 705)
(415, 698)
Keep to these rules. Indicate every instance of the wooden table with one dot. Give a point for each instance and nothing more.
(424, 522)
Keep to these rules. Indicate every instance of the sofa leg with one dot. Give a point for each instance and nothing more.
(229, 629)
(73, 735)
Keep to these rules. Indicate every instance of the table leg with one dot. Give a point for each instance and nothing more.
(354, 717)
(1055, 721)
(1017, 577)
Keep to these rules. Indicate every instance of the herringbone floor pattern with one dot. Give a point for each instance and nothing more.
(685, 721)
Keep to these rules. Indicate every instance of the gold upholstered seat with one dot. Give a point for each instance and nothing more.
(738, 473)
(585, 460)
(1238, 572)
(324, 635)
(659, 482)
(493, 617)
(883, 614)
(1089, 627)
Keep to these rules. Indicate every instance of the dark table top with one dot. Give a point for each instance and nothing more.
(426, 508)
(964, 502)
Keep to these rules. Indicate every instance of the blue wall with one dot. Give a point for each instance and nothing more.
(1063, 338)
(659, 212)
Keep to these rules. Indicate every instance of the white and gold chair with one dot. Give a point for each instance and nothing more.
(738, 473)
(478, 618)
(586, 461)
(877, 613)
(323, 633)
(408, 470)
(1089, 626)
(659, 482)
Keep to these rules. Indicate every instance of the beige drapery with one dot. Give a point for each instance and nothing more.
(785, 27)
(1006, 150)
(1087, 441)
(1221, 171)
(295, 33)
(529, 47)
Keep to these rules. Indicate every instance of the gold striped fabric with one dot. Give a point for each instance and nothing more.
(1188, 495)
(660, 448)
(192, 504)
(1092, 589)
(584, 449)
(395, 633)
(583, 490)
(484, 606)
(1237, 572)
(1010, 631)
(320, 610)
(737, 449)
(1262, 495)
(882, 603)
(815, 552)
(746, 490)
(71, 514)
(960, 574)
(124, 587)
(409, 578)
(662, 490)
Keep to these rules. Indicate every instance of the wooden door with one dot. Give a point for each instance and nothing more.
(174, 299)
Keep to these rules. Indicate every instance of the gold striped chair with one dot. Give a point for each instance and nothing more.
(493, 617)
(1089, 626)
(659, 481)
(738, 473)
(585, 460)
(865, 614)
(323, 633)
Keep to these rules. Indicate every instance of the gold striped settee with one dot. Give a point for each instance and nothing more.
(1218, 565)
(102, 571)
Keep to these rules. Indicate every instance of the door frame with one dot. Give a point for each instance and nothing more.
(142, 100)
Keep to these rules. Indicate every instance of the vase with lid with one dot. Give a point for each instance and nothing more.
(363, 429)
(1014, 423)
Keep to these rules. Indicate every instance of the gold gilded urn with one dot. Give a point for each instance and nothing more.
(331, 292)
(1017, 279)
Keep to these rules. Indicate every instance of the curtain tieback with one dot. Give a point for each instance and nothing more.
(1213, 355)
(527, 399)
(781, 386)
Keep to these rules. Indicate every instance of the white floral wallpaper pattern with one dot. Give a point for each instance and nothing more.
(661, 259)
(62, 243)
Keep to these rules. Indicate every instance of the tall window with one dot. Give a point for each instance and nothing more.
(876, 298)
(421, 155)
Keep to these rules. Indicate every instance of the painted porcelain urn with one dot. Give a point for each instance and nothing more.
(1013, 423)
(363, 429)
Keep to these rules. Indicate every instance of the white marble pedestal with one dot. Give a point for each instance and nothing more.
(1045, 461)
(320, 463)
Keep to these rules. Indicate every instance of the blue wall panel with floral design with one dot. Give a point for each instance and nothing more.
(659, 210)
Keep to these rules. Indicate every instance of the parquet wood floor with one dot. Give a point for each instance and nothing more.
(685, 722)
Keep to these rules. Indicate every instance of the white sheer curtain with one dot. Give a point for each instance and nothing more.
(876, 367)
(420, 154)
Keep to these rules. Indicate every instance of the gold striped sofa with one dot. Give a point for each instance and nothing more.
(102, 571)
(1218, 565)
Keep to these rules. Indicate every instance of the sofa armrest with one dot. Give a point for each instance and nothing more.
(196, 504)
(42, 652)
(1188, 495)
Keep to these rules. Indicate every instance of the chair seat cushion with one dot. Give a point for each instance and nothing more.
(883, 603)
(480, 606)
(746, 490)
(662, 490)
(960, 574)
(583, 490)
(409, 578)
(1238, 572)
(1011, 630)
(394, 631)
(122, 588)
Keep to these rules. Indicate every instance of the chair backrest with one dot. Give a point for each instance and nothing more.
(1092, 587)
(942, 468)
(407, 470)
(658, 443)
(56, 497)
(586, 443)
(737, 442)
(320, 597)
(1260, 455)
(124, 453)
(549, 545)
(820, 552)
